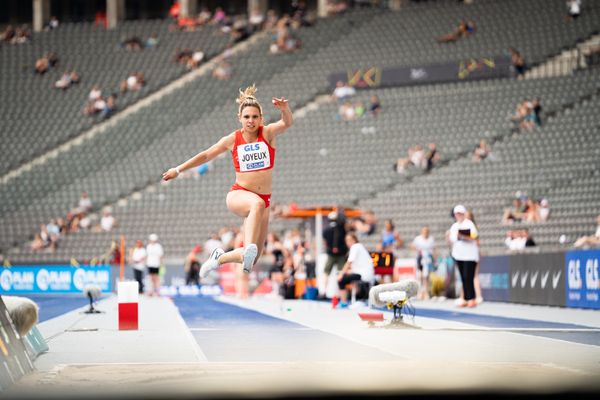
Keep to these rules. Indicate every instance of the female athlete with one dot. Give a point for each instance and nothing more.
(253, 151)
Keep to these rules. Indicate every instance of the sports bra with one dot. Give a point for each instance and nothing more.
(250, 157)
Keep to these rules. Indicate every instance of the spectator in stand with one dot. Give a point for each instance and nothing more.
(336, 248)
(537, 110)
(42, 65)
(518, 240)
(532, 211)
(37, 244)
(192, 266)
(154, 259)
(66, 80)
(195, 60)
(137, 259)
(518, 62)
(574, 9)
(108, 221)
(133, 43)
(95, 93)
(464, 29)
(482, 151)
(203, 17)
(544, 210)
(219, 17)
(8, 34)
(223, 71)
(516, 213)
(390, 238)
(432, 156)
(85, 221)
(423, 244)
(53, 232)
(85, 203)
(343, 92)
(591, 240)
(279, 253)
(135, 81)
(21, 35)
(358, 267)
(346, 112)
(465, 251)
(152, 41)
(52, 24)
(336, 7)
(374, 106)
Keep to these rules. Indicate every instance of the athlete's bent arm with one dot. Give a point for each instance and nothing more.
(224, 144)
(277, 128)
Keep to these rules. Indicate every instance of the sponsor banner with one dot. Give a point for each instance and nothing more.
(538, 279)
(494, 274)
(53, 279)
(582, 283)
(469, 69)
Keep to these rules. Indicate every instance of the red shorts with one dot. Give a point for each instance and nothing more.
(266, 197)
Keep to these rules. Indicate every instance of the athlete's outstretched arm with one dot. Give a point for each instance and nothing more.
(277, 128)
(224, 144)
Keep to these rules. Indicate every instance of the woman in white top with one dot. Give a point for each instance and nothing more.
(138, 263)
(154, 255)
(463, 237)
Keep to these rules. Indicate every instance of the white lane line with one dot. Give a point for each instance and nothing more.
(195, 345)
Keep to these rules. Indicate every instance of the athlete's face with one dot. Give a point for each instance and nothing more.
(250, 118)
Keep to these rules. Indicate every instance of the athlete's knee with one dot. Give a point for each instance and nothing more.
(258, 206)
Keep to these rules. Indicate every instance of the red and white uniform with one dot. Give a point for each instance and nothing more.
(250, 157)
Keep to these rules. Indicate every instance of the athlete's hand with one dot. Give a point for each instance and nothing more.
(280, 104)
(170, 174)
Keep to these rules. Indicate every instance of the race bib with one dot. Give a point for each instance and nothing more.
(253, 156)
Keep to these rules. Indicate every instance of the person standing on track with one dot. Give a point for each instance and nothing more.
(465, 251)
(253, 151)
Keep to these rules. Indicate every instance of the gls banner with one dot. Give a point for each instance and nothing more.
(53, 279)
(583, 283)
(538, 279)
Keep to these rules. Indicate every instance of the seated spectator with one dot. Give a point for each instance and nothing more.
(42, 65)
(271, 20)
(53, 231)
(100, 20)
(573, 9)
(537, 110)
(359, 109)
(21, 35)
(336, 7)
(464, 29)
(514, 214)
(223, 71)
(346, 111)
(203, 17)
(256, 20)
(416, 157)
(195, 60)
(8, 33)
(532, 211)
(182, 56)
(152, 41)
(85, 203)
(95, 93)
(544, 210)
(107, 222)
(343, 92)
(358, 267)
(133, 43)
(482, 151)
(66, 80)
(517, 240)
(591, 240)
(37, 244)
(374, 106)
(53, 23)
(85, 222)
(390, 238)
(518, 62)
(525, 116)
(135, 81)
(219, 17)
(432, 156)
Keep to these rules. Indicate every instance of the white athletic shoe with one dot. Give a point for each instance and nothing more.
(212, 263)
(250, 253)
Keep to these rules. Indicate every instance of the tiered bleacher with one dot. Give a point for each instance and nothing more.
(323, 160)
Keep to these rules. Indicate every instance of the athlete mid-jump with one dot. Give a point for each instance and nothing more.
(253, 151)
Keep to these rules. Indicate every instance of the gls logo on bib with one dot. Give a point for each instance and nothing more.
(253, 156)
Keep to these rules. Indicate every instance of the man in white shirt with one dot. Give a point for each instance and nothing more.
(463, 237)
(423, 245)
(154, 255)
(358, 267)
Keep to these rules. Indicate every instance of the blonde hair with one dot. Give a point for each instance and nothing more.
(247, 99)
